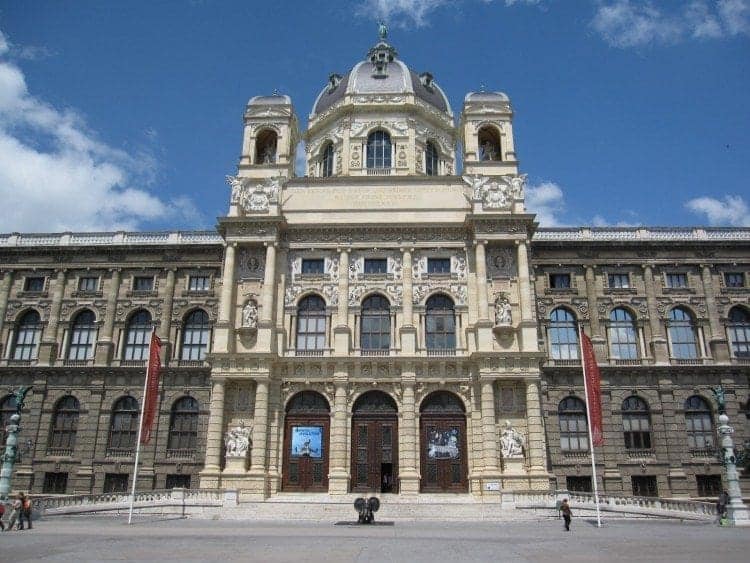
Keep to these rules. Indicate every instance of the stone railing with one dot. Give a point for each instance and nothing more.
(625, 505)
(111, 239)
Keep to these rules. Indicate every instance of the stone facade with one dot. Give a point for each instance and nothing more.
(381, 324)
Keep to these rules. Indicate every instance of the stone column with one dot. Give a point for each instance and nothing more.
(481, 266)
(536, 440)
(338, 478)
(214, 435)
(408, 330)
(48, 346)
(489, 430)
(269, 284)
(259, 452)
(4, 292)
(105, 347)
(597, 336)
(659, 346)
(166, 316)
(717, 340)
(226, 302)
(342, 332)
(527, 326)
(408, 473)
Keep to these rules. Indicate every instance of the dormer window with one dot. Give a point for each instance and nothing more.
(426, 79)
(333, 81)
(379, 150)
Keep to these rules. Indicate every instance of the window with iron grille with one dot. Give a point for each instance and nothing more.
(64, 425)
(709, 485)
(578, 483)
(644, 486)
(178, 481)
(55, 483)
(574, 433)
(115, 483)
(636, 424)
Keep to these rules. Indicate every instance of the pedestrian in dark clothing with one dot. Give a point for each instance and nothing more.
(567, 513)
(25, 511)
(721, 506)
(2, 512)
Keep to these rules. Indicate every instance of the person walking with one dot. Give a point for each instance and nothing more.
(15, 510)
(25, 513)
(567, 513)
(721, 506)
(2, 513)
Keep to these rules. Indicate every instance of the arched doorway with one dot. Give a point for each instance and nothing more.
(306, 439)
(442, 424)
(375, 443)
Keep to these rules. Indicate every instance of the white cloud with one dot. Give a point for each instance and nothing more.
(400, 12)
(636, 23)
(547, 201)
(732, 210)
(59, 176)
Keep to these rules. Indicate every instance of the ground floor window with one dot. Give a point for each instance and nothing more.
(708, 485)
(578, 484)
(644, 486)
(178, 481)
(55, 483)
(115, 483)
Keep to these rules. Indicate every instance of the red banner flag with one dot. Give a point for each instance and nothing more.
(152, 387)
(593, 388)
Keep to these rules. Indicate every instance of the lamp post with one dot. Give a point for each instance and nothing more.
(10, 456)
(737, 512)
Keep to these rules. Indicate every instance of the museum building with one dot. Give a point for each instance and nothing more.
(386, 323)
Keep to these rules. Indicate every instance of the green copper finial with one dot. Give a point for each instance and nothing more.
(382, 30)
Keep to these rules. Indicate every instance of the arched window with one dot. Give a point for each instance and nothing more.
(379, 150)
(137, 336)
(62, 439)
(739, 332)
(376, 324)
(265, 147)
(196, 333)
(311, 323)
(636, 424)
(123, 429)
(682, 334)
(489, 144)
(183, 427)
(574, 432)
(82, 336)
(623, 339)
(431, 159)
(699, 423)
(563, 335)
(440, 323)
(26, 345)
(326, 162)
(7, 409)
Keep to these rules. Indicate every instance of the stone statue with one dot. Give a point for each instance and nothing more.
(487, 151)
(250, 315)
(237, 441)
(269, 153)
(382, 31)
(20, 395)
(517, 185)
(237, 189)
(720, 398)
(511, 442)
(503, 314)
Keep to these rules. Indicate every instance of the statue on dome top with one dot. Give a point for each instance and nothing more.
(382, 31)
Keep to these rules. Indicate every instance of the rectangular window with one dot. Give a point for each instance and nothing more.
(677, 280)
(619, 281)
(55, 483)
(88, 284)
(177, 481)
(199, 283)
(143, 283)
(734, 279)
(708, 485)
(376, 266)
(559, 281)
(115, 483)
(578, 484)
(313, 265)
(34, 284)
(644, 486)
(438, 265)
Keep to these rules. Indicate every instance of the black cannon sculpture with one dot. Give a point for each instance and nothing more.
(367, 507)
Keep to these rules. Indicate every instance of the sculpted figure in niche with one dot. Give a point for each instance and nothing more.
(511, 442)
(237, 441)
(488, 151)
(250, 315)
(503, 311)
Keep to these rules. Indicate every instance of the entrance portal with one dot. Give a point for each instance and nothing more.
(375, 443)
(305, 464)
(443, 444)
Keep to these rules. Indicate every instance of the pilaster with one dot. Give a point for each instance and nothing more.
(409, 447)
(338, 478)
(105, 347)
(659, 346)
(48, 345)
(717, 342)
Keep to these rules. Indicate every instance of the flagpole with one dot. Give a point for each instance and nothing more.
(591, 436)
(140, 428)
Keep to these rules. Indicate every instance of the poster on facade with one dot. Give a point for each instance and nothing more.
(307, 440)
(443, 444)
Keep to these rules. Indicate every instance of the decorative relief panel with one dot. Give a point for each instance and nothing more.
(361, 128)
(501, 262)
(251, 263)
(254, 198)
(497, 192)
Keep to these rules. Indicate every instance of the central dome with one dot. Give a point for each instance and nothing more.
(381, 73)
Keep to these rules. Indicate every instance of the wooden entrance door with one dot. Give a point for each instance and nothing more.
(375, 454)
(306, 454)
(443, 444)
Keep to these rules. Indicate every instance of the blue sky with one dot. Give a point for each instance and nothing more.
(127, 115)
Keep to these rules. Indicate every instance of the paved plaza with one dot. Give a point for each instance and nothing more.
(151, 539)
